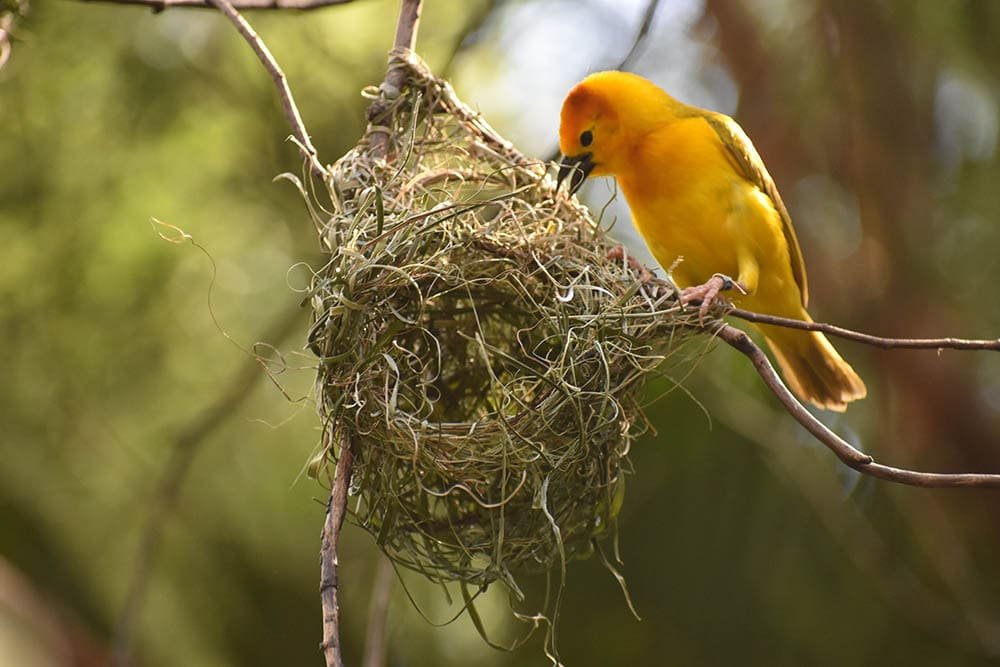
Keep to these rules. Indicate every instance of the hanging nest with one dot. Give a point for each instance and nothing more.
(477, 347)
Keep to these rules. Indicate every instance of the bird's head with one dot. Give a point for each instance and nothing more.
(602, 117)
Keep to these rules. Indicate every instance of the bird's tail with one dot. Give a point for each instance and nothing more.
(813, 369)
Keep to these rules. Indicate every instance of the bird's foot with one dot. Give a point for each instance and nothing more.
(708, 293)
(618, 253)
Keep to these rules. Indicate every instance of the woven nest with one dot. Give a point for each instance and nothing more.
(478, 349)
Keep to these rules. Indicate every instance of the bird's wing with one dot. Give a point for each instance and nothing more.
(745, 156)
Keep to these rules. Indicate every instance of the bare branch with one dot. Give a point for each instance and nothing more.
(474, 26)
(295, 5)
(640, 36)
(854, 458)
(840, 332)
(281, 83)
(329, 587)
(407, 25)
(952, 617)
(395, 79)
(868, 339)
(648, 14)
(395, 76)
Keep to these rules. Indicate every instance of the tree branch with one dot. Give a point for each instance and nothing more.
(868, 339)
(161, 5)
(472, 28)
(950, 617)
(645, 24)
(392, 85)
(395, 76)
(329, 587)
(852, 457)
(280, 82)
(407, 25)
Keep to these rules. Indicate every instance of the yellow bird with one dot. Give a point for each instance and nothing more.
(706, 206)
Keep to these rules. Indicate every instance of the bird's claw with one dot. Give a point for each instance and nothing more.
(618, 253)
(708, 293)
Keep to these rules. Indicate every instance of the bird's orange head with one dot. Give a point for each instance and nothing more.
(602, 118)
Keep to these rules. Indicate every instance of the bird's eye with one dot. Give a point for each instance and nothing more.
(586, 138)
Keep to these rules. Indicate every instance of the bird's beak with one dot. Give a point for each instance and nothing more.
(577, 167)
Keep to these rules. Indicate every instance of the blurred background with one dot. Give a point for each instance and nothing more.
(744, 542)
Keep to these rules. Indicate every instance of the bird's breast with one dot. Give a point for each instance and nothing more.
(688, 202)
(687, 226)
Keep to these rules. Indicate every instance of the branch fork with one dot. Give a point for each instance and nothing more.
(851, 456)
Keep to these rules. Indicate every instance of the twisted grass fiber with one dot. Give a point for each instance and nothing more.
(477, 344)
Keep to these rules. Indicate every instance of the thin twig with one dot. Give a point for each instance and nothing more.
(640, 36)
(852, 457)
(280, 81)
(161, 5)
(329, 587)
(407, 25)
(406, 37)
(475, 26)
(648, 14)
(868, 339)
(952, 617)
(187, 445)
(378, 613)
(395, 76)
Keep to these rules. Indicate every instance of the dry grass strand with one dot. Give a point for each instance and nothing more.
(475, 340)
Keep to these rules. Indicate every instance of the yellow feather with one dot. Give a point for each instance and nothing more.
(704, 203)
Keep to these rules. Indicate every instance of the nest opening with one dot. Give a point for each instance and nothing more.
(478, 349)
